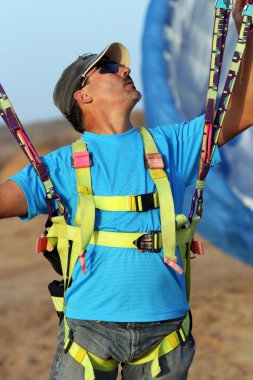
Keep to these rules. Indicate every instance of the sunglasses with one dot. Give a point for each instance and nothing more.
(104, 67)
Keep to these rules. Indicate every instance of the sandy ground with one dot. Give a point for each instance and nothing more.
(221, 302)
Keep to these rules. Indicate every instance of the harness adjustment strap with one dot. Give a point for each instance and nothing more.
(69, 342)
(153, 161)
(83, 261)
(81, 160)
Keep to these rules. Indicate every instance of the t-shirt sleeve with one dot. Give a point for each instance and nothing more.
(58, 164)
(34, 191)
(185, 140)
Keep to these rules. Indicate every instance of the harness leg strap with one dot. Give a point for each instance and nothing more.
(89, 361)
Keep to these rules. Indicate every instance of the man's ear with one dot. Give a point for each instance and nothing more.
(82, 97)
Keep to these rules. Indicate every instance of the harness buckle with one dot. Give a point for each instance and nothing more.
(181, 335)
(154, 161)
(149, 242)
(147, 202)
(70, 342)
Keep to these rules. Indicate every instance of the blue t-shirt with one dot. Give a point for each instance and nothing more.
(122, 284)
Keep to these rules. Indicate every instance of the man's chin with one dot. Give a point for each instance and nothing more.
(135, 95)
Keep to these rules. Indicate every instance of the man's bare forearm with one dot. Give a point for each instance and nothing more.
(12, 200)
(239, 115)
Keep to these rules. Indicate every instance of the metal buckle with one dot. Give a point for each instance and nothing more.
(147, 201)
(179, 332)
(146, 242)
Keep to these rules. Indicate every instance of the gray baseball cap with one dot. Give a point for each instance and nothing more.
(71, 78)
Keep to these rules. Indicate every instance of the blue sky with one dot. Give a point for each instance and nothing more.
(40, 38)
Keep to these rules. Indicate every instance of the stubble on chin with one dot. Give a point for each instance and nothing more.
(133, 95)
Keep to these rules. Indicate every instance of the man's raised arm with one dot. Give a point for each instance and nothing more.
(239, 115)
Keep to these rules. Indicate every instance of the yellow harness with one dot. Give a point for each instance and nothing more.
(72, 242)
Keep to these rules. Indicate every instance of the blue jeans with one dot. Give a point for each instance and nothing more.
(123, 342)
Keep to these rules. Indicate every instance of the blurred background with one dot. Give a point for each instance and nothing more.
(169, 42)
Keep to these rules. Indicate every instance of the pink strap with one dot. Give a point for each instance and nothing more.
(197, 247)
(207, 151)
(173, 264)
(154, 161)
(83, 261)
(81, 160)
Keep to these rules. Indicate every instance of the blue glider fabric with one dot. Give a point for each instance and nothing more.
(122, 284)
(176, 53)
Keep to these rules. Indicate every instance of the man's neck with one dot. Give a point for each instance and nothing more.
(105, 123)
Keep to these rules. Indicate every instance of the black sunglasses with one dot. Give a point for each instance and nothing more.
(104, 67)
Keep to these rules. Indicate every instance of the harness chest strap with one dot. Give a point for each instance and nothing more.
(143, 202)
(127, 239)
(92, 362)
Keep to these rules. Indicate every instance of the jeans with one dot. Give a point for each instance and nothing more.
(123, 342)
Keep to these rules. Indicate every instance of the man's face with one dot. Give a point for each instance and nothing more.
(110, 83)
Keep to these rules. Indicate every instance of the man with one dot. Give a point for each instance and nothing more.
(122, 302)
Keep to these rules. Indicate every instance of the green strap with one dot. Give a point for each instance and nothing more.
(85, 216)
(184, 239)
(167, 212)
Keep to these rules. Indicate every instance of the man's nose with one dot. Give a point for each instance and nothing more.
(124, 71)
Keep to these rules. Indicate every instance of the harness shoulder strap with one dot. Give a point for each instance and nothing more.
(167, 212)
(85, 215)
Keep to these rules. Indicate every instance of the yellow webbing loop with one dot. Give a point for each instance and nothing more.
(90, 361)
(85, 216)
(58, 303)
(184, 239)
(64, 233)
(167, 212)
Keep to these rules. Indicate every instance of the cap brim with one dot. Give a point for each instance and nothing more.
(116, 51)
